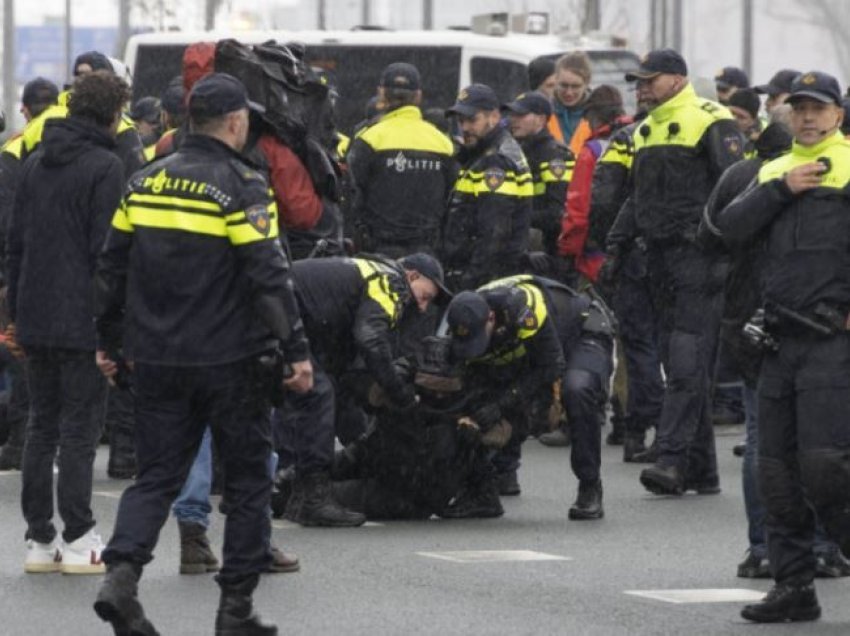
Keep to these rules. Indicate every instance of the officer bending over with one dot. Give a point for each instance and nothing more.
(194, 259)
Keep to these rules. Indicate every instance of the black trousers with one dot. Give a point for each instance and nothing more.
(66, 392)
(173, 407)
(687, 301)
(804, 449)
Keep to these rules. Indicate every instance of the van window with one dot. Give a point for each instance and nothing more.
(508, 79)
(357, 71)
(155, 65)
(610, 67)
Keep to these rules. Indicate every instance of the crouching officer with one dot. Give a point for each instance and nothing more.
(351, 309)
(800, 206)
(193, 257)
(532, 339)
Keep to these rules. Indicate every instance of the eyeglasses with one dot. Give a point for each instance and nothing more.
(570, 87)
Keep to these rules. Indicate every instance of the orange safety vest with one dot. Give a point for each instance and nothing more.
(580, 135)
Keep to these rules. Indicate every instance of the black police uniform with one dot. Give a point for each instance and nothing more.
(545, 336)
(551, 165)
(403, 173)
(489, 215)
(194, 250)
(351, 308)
(630, 297)
(804, 434)
(681, 149)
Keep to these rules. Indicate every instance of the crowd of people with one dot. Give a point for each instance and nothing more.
(231, 304)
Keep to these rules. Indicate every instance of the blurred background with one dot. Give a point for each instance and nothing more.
(42, 37)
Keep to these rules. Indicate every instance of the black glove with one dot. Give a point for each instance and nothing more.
(404, 398)
(487, 416)
(610, 269)
(539, 263)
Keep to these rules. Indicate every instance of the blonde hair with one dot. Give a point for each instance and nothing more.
(576, 62)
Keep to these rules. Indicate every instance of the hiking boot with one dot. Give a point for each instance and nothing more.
(662, 480)
(753, 567)
(831, 564)
(558, 437)
(196, 556)
(293, 503)
(117, 601)
(236, 616)
(588, 504)
(319, 508)
(42, 557)
(785, 602)
(282, 562)
(508, 484)
(633, 445)
(82, 556)
(480, 501)
(648, 456)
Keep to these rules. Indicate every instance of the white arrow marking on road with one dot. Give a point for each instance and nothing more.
(493, 556)
(731, 595)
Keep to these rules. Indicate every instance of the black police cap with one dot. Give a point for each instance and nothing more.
(146, 109)
(778, 84)
(730, 76)
(172, 98)
(39, 91)
(532, 102)
(401, 75)
(815, 85)
(474, 98)
(467, 320)
(427, 266)
(218, 94)
(659, 62)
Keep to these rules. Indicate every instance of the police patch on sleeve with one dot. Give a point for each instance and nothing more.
(732, 144)
(557, 167)
(258, 218)
(528, 319)
(494, 178)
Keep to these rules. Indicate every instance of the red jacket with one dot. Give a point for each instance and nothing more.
(575, 223)
(298, 205)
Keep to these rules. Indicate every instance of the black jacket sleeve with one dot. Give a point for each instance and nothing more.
(734, 181)
(129, 149)
(372, 325)
(546, 366)
(724, 145)
(15, 237)
(10, 168)
(624, 229)
(750, 213)
(104, 198)
(608, 192)
(360, 157)
(110, 286)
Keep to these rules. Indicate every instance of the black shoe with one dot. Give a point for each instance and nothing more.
(509, 484)
(785, 602)
(709, 486)
(236, 616)
(648, 456)
(477, 502)
(282, 491)
(588, 504)
(738, 450)
(121, 469)
(662, 480)
(831, 564)
(753, 567)
(558, 437)
(196, 555)
(615, 438)
(632, 446)
(10, 457)
(318, 506)
(118, 604)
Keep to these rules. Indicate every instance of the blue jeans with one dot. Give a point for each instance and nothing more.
(193, 503)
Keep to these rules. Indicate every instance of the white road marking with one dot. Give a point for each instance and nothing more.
(728, 595)
(288, 525)
(6, 473)
(112, 494)
(493, 556)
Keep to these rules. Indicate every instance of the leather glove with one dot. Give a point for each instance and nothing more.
(487, 416)
(468, 431)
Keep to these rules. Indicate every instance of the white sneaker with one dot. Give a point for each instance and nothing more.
(42, 557)
(83, 555)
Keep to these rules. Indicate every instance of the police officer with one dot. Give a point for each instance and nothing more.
(534, 343)
(489, 214)
(551, 163)
(728, 81)
(777, 88)
(146, 114)
(194, 255)
(799, 205)
(681, 149)
(352, 309)
(402, 170)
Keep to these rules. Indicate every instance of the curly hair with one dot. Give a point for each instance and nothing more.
(98, 97)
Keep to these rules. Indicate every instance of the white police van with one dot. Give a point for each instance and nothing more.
(447, 59)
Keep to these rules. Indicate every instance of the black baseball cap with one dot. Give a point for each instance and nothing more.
(474, 98)
(658, 62)
(146, 109)
(95, 59)
(815, 85)
(467, 319)
(171, 100)
(429, 267)
(218, 94)
(39, 91)
(532, 102)
(401, 75)
(778, 84)
(730, 76)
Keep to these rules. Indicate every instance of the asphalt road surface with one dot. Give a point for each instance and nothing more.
(654, 565)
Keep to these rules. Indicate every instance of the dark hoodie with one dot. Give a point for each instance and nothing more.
(68, 192)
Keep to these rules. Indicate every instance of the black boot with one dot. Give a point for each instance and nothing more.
(618, 423)
(236, 615)
(319, 508)
(785, 602)
(648, 456)
(477, 501)
(118, 604)
(122, 435)
(663, 480)
(588, 504)
(633, 445)
(196, 556)
(509, 484)
(282, 491)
